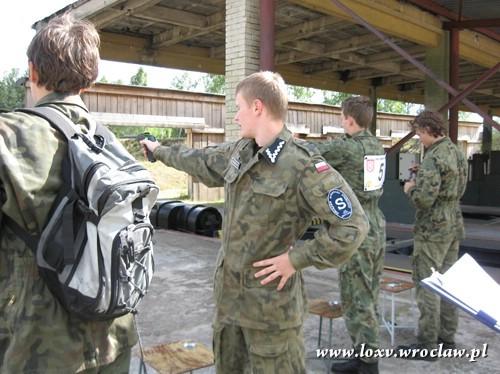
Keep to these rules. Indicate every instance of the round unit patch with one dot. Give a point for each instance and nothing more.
(339, 204)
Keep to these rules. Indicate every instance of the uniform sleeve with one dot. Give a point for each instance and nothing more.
(325, 194)
(333, 151)
(206, 165)
(428, 182)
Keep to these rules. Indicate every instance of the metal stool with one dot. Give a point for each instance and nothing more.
(179, 357)
(327, 309)
(394, 286)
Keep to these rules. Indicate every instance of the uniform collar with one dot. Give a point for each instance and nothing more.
(272, 152)
(433, 145)
(363, 132)
(62, 98)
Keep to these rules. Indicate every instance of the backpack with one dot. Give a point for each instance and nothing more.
(95, 252)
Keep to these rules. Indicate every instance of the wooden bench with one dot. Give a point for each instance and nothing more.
(179, 357)
(326, 309)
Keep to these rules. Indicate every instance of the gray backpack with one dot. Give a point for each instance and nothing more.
(95, 252)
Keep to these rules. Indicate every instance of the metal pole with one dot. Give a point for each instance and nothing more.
(267, 35)
(454, 82)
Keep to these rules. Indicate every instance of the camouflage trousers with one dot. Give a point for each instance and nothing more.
(438, 318)
(359, 290)
(249, 351)
(119, 366)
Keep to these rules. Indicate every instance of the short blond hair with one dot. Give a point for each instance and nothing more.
(268, 87)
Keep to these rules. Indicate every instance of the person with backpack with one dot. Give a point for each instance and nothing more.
(37, 334)
(274, 186)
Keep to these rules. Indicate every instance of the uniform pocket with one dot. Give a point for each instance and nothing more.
(271, 358)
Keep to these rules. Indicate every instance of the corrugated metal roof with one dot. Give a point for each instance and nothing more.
(474, 9)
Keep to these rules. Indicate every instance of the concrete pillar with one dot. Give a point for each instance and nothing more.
(437, 59)
(242, 53)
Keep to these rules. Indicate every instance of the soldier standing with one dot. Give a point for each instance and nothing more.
(273, 188)
(36, 334)
(440, 183)
(360, 159)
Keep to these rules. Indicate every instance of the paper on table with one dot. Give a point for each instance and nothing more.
(469, 283)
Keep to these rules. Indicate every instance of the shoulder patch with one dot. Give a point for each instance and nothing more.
(321, 166)
(339, 204)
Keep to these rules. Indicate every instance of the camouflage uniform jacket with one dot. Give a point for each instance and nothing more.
(441, 182)
(346, 154)
(271, 195)
(36, 334)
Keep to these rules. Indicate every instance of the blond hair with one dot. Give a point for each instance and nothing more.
(65, 54)
(269, 88)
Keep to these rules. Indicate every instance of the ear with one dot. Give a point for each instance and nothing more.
(257, 106)
(33, 74)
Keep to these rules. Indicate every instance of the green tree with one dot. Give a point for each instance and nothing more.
(334, 98)
(103, 79)
(184, 82)
(392, 106)
(300, 93)
(140, 78)
(214, 83)
(11, 92)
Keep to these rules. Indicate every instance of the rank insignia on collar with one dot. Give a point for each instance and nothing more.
(273, 151)
(235, 161)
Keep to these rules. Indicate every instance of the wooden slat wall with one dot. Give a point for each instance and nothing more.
(145, 100)
(198, 191)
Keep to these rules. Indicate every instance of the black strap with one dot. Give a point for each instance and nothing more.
(30, 240)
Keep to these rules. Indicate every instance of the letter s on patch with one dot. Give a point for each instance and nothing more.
(339, 204)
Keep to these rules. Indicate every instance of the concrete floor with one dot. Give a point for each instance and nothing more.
(180, 306)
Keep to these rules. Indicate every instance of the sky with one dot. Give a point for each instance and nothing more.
(16, 19)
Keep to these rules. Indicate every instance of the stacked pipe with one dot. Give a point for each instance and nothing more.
(176, 215)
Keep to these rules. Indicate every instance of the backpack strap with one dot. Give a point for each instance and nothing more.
(62, 123)
(56, 119)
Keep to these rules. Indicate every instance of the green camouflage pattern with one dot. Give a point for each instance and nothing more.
(268, 207)
(249, 351)
(438, 318)
(36, 333)
(360, 276)
(440, 183)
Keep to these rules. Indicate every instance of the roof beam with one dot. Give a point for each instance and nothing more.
(177, 17)
(408, 22)
(129, 8)
(473, 23)
(178, 33)
(122, 48)
(306, 29)
(392, 17)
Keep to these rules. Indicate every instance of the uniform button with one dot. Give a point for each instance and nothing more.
(12, 300)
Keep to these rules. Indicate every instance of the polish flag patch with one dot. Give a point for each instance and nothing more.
(321, 166)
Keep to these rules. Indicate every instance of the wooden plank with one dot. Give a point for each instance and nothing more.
(124, 119)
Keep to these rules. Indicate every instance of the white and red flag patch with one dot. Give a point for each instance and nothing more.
(321, 166)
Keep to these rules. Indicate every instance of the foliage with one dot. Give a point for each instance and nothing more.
(392, 106)
(299, 93)
(11, 94)
(334, 98)
(130, 132)
(214, 83)
(140, 78)
(184, 82)
(495, 142)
